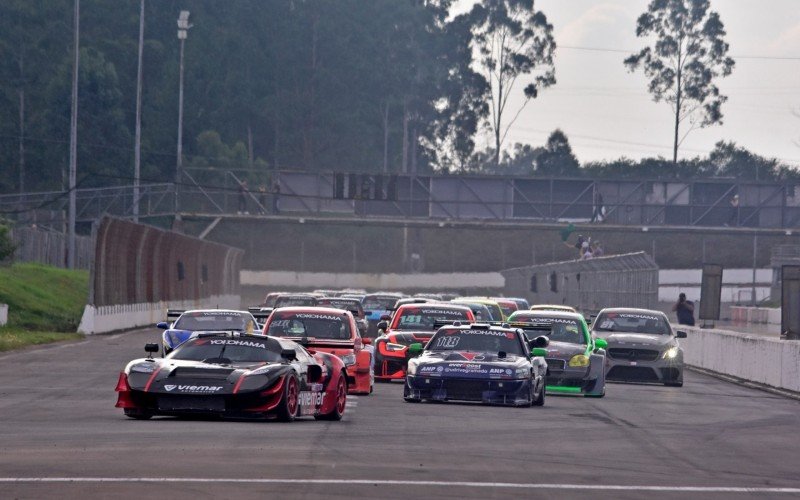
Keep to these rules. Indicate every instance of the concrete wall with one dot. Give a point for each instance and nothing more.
(737, 284)
(755, 358)
(104, 319)
(756, 315)
(3, 314)
(416, 281)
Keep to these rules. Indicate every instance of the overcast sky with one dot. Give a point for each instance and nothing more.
(607, 113)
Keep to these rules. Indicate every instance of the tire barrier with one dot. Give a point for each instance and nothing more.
(629, 280)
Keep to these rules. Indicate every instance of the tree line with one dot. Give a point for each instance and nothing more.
(394, 86)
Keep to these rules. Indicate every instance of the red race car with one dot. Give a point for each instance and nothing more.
(411, 324)
(329, 330)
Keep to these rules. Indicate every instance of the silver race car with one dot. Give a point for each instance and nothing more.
(642, 347)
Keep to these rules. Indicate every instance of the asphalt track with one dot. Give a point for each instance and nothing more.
(61, 437)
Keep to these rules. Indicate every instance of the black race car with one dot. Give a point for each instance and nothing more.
(243, 376)
(478, 362)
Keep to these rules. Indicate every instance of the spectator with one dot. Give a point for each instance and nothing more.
(276, 193)
(578, 244)
(586, 251)
(599, 210)
(733, 218)
(597, 249)
(242, 198)
(684, 309)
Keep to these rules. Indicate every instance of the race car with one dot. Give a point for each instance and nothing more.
(552, 307)
(352, 305)
(493, 306)
(330, 330)
(411, 323)
(376, 306)
(576, 362)
(507, 305)
(189, 323)
(478, 362)
(233, 375)
(296, 299)
(641, 346)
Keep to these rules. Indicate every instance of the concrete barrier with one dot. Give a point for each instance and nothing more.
(755, 358)
(104, 319)
(756, 315)
(3, 314)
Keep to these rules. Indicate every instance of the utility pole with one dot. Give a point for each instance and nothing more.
(137, 151)
(73, 140)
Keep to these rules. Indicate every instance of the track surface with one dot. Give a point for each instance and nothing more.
(59, 421)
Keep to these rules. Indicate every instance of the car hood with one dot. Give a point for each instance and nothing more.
(632, 340)
(407, 337)
(564, 350)
(474, 365)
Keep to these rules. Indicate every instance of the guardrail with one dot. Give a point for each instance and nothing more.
(629, 280)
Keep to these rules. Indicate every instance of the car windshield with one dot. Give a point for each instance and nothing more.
(346, 304)
(557, 329)
(425, 318)
(237, 350)
(633, 322)
(379, 303)
(287, 301)
(215, 321)
(310, 324)
(452, 339)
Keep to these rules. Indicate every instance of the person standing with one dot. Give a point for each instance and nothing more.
(684, 309)
(243, 198)
(276, 193)
(733, 219)
(598, 213)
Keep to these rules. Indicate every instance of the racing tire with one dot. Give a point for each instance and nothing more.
(341, 402)
(407, 397)
(540, 400)
(137, 414)
(290, 402)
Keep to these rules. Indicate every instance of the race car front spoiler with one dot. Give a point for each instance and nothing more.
(511, 392)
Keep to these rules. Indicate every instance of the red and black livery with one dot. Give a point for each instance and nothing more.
(239, 376)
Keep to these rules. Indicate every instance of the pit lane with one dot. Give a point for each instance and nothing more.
(58, 422)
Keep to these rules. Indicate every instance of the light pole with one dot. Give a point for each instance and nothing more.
(73, 140)
(183, 28)
(137, 153)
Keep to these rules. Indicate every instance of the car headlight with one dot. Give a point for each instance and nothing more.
(349, 359)
(412, 369)
(579, 360)
(147, 367)
(671, 353)
(523, 372)
(394, 347)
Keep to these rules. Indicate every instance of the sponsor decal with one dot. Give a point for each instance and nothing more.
(446, 312)
(309, 401)
(639, 316)
(198, 389)
(429, 369)
(245, 343)
(318, 316)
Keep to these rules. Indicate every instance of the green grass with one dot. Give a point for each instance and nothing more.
(45, 304)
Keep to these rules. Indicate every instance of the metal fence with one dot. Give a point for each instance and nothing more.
(135, 264)
(629, 280)
(50, 248)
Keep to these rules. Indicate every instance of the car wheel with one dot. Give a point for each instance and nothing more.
(137, 414)
(290, 403)
(341, 401)
(407, 395)
(540, 400)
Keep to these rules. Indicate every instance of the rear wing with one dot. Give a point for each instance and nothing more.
(260, 313)
(174, 314)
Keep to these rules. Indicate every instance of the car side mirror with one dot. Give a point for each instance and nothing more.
(539, 342)
(366, 340)
(681, 334)
(415, 349)
(163, 325)
(150, 349)
(538, 352)
(600, 343)
(385, 317)
(288, 354)
(383, 325)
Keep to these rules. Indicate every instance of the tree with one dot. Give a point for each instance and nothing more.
(557, 158)
(731, 160)
(688, 55)
(512, 39)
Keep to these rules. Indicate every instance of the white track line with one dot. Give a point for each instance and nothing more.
(389, 482)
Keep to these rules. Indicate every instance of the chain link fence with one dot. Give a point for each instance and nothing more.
(629, 280)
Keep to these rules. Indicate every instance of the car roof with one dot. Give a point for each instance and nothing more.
(438, 305)
(311, 309)
(549, 313)
(224, 311)
(633, 310)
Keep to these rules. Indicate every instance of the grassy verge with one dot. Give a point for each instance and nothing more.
(45, 304)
